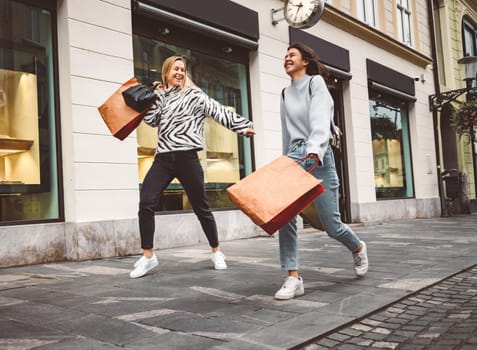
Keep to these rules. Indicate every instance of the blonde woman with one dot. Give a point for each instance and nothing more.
(179, 113)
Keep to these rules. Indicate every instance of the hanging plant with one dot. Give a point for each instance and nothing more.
(464, 119)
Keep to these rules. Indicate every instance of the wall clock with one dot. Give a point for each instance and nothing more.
(303, 13)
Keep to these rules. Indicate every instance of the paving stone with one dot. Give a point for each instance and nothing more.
(186, 304)
(82, 343)
(398, 320)
(339, 337)
(410, 347)
(384, 345)
(327, 342)
(110, 331)
(405, 333)
(394, 338)
(391, 326)
(349, 347)
(421, 341)
(374, 336)
(33, 313)
(361, 327)
(359, 341)
(352, 332)
(412, 328)
(315, 347)
(371, 322)
(10, 328)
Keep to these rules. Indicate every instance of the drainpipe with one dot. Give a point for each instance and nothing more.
(430, 7)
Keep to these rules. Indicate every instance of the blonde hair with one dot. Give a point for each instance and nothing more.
(166, 68)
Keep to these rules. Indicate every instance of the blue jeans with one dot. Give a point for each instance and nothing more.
(326, 205)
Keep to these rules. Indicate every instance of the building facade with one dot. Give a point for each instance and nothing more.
(455, 24)
(70, 190)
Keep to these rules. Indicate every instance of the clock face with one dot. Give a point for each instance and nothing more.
(303, 13)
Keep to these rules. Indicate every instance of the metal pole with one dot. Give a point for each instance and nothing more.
(437, 141)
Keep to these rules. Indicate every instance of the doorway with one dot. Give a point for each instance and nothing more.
(341, 157)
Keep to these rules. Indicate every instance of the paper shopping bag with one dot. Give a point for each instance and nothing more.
(274, 194)
(311, 217)
(119, 117)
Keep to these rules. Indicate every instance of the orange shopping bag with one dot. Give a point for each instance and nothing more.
(274, 194)
(119, 117)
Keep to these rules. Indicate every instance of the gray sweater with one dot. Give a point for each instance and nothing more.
(306, 116)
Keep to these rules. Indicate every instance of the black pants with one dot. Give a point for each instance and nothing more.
(186, 167)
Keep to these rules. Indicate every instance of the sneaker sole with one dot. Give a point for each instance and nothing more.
(361, 274)
(145, 273)
(297, 294)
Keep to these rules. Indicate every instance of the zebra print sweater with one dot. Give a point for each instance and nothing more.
(180, 119)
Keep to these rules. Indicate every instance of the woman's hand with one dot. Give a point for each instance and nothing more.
(249, 132)
(315, 157)
(159, 85)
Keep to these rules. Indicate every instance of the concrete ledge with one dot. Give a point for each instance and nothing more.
(41, 243)
(398, 209)
(32, 244)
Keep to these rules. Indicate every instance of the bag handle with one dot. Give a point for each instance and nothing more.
(313, 168)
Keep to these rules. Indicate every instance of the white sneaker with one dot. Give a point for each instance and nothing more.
(361, 261)
(293, 287)
(218, 258)
(143, 266)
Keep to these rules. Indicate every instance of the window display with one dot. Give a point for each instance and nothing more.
(391, 148)
(225, 157)
(28, 167)
(19, 147)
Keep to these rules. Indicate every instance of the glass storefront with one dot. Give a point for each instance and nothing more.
(226, 157)
(391, 147)
(28, 145)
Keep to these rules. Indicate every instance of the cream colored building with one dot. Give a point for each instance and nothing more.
(378, 52)
(455, 24)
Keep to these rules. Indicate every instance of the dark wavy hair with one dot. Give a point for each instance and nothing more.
(314, 66)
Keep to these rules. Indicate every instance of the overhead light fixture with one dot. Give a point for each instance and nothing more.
(436, 101)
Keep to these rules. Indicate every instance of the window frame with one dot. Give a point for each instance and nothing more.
(469, 26)
(407, 161)
(404, 16)
(51, 6)
(177, 36)
(368, 6)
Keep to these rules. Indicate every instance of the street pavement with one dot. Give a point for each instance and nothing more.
(440, 317)
(420, 289)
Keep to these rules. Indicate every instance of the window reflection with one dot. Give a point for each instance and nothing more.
(28, 160)
(391, 151)
(226, 157)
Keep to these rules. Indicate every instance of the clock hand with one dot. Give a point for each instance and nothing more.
(298, 10)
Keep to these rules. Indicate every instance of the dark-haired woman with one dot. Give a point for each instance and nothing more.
(179, 113)
(306, 110)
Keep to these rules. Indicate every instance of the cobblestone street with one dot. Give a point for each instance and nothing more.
(441, 317)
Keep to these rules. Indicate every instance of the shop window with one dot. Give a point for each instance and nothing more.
(367, 12)
(404, 21)
(226, 157)
(28, 158)
(391, 147)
